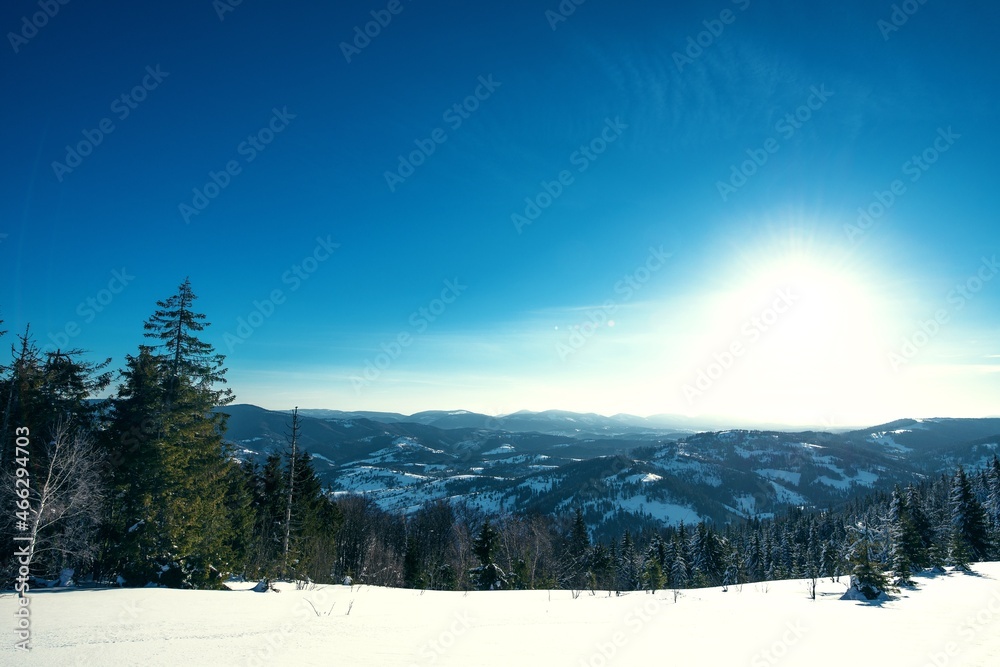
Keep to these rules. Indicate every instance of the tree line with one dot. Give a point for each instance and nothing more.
(142, 487)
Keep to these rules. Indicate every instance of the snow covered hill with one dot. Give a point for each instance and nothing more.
(626, 478)
(945, 620)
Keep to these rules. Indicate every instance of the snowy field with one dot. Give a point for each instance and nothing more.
(949, 619)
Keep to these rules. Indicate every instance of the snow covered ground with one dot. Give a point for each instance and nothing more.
(951, 619)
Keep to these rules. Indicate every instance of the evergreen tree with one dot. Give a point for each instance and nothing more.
(173, 477)
(628, 568)
(652, 575)
(731, 576)
(969, 536)
(922, 532)
(900, 530)
(186, 358)
(602, 567)
(866, 571)
(678, 571)
(488, 576)
(578, 552)
(993, 502)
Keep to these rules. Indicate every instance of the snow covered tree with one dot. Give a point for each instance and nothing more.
(830, 561)
(867, 576)
(905, 540)
(628, 565)
(992, 506)
(679, 571)
(576, 556)
(732, 575)
(969, 535)
(488, 576)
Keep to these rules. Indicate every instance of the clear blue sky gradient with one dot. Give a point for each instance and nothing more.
(683, 94)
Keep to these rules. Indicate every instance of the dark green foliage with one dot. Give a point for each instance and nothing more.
(969, 535)
(172, 473)
(182, 510)
(488, 576)
(866, 570)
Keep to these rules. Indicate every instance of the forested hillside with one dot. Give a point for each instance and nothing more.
(146, 487)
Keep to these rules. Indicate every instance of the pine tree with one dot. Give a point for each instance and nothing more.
(678, 572)
(969, 536)
(488, 576)
(135, 456)
(242, 511)
(904, 539)
(866, 571)
(315, 523)
(922, 535)
(732, 575)
(628, 569)
(578, 554)
(174, 526)
(652, 575)
(993, 503)
(186, 358)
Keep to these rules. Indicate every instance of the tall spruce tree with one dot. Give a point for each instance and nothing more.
(169, 398)
(969, 535)
(905, 542)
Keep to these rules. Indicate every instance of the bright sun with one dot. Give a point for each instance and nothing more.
(806, 340)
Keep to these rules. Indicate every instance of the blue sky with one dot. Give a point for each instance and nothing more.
(632, 208)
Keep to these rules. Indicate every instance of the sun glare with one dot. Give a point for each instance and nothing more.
(807, 334)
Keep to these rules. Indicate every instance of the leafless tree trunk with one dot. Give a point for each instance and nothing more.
(291, 491)
(64, 500)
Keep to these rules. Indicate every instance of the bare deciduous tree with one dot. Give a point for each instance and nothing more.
(65, 501)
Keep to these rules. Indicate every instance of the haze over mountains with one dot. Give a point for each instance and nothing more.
(623, 471)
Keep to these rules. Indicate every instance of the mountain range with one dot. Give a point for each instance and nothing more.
(622, 471)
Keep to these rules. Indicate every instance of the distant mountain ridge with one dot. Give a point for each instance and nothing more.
(550, 421)
(625, 473)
